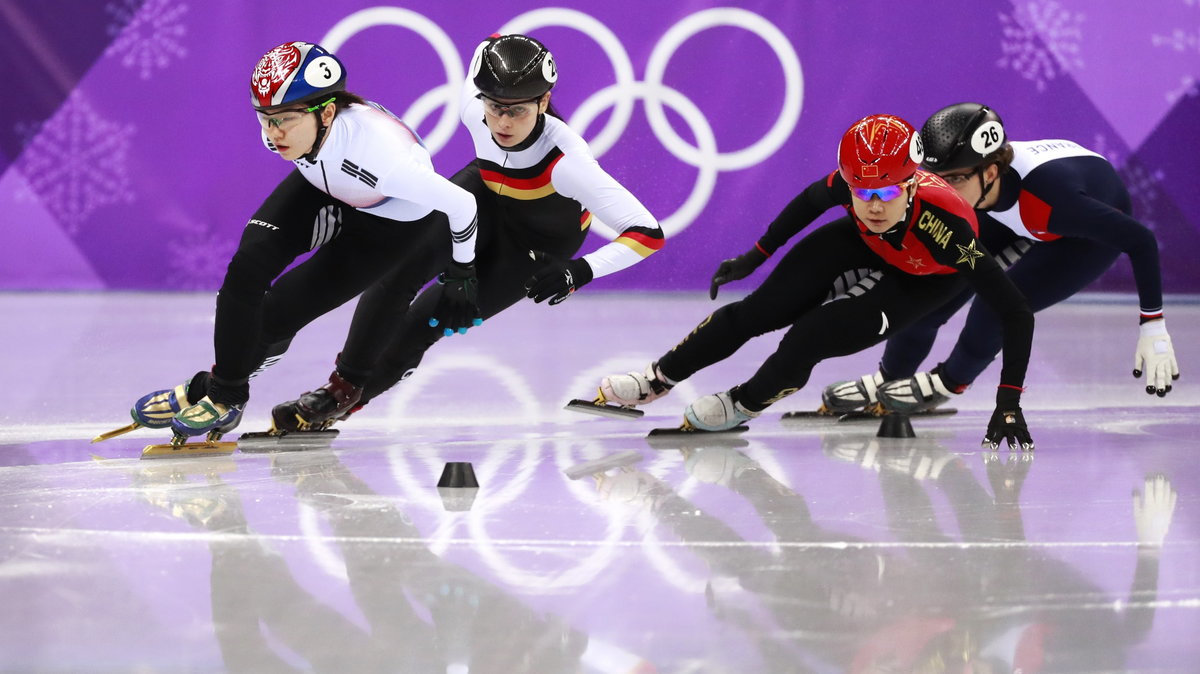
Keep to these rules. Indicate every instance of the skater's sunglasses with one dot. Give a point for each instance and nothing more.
(515, 110)
(884, 193)
(289, 118)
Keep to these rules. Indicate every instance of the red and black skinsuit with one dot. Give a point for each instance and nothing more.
(926, 259)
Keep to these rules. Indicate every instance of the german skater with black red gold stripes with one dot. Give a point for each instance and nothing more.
(537, 186)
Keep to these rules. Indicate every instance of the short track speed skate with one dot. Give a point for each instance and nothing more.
(305, 423)
(210, 419)
(292, 431)
(619, 394)
(603, 408)
(153, 410)
(869, 413)
(262, 442)
(686, 429)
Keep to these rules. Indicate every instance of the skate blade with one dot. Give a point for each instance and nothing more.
(810, 414)
(264, 442)
(120, 431)
(861, 415)
(690, 432)
(190, 450)
(603, 409)
(602, 464)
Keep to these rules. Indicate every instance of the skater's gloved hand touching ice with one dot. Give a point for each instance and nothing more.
(1156, 357)
(457, 308)
(1007, 423)
(557, 280)
(1153, 510)
(736, 268)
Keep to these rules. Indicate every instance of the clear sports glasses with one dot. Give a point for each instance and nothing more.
(959, 178)
(288, 118)
(515, 110)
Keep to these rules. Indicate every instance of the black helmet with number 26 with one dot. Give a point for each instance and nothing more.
(964, 135)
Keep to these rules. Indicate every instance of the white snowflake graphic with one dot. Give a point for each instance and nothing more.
(1041, 39)
(1187, 87)
(1112, 154)
(76, 162)
(1143, 188)
(147, 37)
(198, 256)
(1180, 39)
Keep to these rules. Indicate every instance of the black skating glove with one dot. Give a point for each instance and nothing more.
(457, 309)
(1007, 423)
(557, 280)
(736, 268)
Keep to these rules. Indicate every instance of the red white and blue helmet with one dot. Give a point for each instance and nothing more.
(878, 151)
(295, 72)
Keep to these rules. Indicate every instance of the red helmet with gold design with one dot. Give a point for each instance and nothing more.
(878, 151)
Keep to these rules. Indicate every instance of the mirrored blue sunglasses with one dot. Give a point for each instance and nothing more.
(884, 193)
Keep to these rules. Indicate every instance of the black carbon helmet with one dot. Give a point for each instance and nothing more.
(513, 67)
(964, 135)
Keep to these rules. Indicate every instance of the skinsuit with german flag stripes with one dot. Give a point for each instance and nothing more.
(536, 199)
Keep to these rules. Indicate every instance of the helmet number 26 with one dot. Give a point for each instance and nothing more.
(987, 138)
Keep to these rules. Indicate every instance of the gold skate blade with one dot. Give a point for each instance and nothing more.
(190, 450)
(690, 431)
(603, 409)
(120, 431)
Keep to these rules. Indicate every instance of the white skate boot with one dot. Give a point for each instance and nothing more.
(922, 392)
(848, 396)
(716, 412)
(635, 388)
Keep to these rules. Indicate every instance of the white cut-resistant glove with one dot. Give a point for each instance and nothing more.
(1155, 357)
(1153, 509)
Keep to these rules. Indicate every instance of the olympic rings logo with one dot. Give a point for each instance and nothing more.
(620, 96)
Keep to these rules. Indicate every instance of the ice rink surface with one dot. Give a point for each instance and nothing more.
(798, 546)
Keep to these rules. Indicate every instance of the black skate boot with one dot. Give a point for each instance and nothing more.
(317, 410)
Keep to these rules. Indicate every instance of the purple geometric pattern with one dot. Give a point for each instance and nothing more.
(135, 143)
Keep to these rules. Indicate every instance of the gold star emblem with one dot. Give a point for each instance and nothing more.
(968, 253)
(916, 262)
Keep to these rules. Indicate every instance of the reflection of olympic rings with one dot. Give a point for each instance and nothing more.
(620, 96)
(517, 458)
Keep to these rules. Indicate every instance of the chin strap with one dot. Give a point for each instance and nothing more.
(311, 157)
(893, 235)
(984, 189)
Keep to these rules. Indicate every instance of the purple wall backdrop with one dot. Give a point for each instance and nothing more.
(129, 157)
